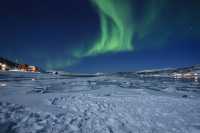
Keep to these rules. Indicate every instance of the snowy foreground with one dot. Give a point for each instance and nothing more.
(45, 103)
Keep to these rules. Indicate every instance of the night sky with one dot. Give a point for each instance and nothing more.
(101, 35)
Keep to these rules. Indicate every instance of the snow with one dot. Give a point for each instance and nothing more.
(98, 104)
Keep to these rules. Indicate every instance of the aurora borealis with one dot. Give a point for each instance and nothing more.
(97, 35)
(116, 27)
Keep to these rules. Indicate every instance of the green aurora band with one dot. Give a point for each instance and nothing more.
(116, 28)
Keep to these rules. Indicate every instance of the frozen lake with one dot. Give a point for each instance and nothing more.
(47, 103)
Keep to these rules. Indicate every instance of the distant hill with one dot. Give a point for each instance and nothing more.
(169, 71)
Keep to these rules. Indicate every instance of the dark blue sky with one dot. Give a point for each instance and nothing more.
(46, 32)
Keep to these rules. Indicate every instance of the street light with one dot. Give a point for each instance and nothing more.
(4, 66)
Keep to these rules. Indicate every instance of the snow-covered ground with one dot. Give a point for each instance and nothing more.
(47, 103)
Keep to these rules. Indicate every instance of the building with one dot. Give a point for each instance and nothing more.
(33, 69)
(23, 67)
(27, 68)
